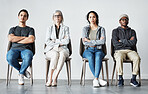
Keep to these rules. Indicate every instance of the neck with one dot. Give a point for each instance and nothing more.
(124, 27)
(58, 25)
(21, 24)
(93, 26)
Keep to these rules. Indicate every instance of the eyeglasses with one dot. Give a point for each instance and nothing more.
(124, 19)
(57, 16)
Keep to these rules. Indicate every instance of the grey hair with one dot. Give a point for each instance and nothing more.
(60, 14)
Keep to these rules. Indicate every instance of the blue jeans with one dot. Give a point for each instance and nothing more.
(94, 57)
(14, 54)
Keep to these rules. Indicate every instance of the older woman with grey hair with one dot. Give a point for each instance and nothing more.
(57, 39)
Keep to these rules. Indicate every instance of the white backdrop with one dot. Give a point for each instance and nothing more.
(75, 17)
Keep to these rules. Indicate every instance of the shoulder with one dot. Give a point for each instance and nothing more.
(30, 28)
(101, 28)
(65, 27)
(86, 28)
(115, 30)
(132, 30)
(13, 28)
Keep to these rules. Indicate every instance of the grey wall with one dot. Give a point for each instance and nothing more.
(75, 17)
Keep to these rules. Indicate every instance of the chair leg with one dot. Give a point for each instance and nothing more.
(7, 75)
(81, 75)
(67, 71)
(102, 72)
(113, 73)
(84, 70)
(106, 63)
(116, 78)
(11, 68)
(47, 70)
(139, 77)
(31, 80)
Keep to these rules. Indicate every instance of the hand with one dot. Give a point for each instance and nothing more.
(132, 38)
(53, 40)
(101, 38)
(65, 37)
(85, 39)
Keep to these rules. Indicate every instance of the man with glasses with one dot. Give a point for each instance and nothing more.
(124, 39)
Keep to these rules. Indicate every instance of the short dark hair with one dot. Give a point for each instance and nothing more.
(97, 17)
(24, 10)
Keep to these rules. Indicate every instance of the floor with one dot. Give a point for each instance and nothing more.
(62, 88)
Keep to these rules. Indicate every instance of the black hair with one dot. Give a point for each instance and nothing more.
(97, 17)
(24, 10)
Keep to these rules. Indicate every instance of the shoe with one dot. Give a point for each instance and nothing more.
(54, 83)
(121, 82)
(27, 74)
(96, 83)
(134, 83)
(48, 84)
(102, 82)
(21, 79)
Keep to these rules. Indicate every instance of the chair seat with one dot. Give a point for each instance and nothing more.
(67, 59)
(104, 59)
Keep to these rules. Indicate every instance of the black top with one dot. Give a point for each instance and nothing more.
(24, 32)
(57, 31)
(124, 35)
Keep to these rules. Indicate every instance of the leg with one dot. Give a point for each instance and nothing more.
(99, 55)
(133, 56)
(53, 57)
(26, 56)
(119, 57)
(63, 54)
(88, 53)
(12, 58)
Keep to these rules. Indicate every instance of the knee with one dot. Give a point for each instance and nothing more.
(136, 58)
(55, 55)
(118, 55)
(27, 57)
(9, 58)
(89, 57)
(63, 54)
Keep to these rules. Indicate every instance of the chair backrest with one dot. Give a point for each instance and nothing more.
(69, 46)
(113, 49)
(82, 48)
(10, 44)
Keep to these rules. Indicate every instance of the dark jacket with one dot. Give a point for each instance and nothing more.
(124, 35)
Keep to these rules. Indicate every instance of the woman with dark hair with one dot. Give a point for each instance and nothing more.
(93, 37)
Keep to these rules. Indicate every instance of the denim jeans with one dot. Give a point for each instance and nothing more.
(94, 57)
(25, 54)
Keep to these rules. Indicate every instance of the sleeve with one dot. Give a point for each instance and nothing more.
(65, 40)
(11, 31)
(115, 40)
(48, 40)
(32, 32)
(129, 42)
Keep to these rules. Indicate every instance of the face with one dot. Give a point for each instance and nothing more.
(57, 17)
(124, 21)
(22, 17)
(92, 18)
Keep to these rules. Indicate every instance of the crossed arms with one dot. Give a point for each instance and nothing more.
(21, 40)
